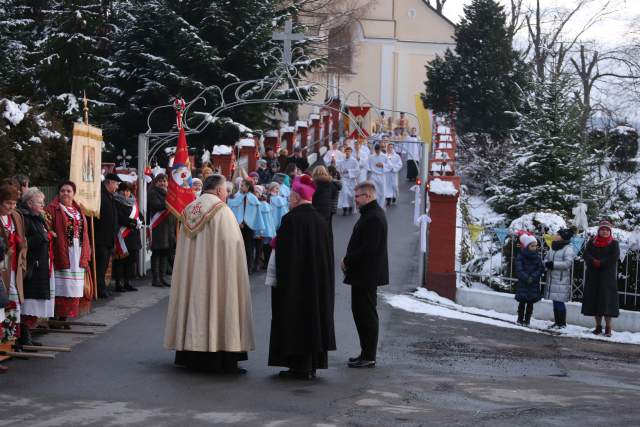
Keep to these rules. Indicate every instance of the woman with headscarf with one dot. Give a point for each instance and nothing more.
(600, 297)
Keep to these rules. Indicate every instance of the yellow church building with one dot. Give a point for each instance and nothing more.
(383, 53)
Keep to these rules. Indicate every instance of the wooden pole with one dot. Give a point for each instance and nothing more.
(93, 240)
(93, 256)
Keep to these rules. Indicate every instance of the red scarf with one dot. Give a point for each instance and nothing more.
(601, 242)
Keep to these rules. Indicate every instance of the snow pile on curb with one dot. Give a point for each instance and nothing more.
(444, 188)
(427, 302)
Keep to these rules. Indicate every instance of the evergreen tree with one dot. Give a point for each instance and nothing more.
(20, 23)
(548, 170)
(485, 75)
(159, 56)
(70, 55)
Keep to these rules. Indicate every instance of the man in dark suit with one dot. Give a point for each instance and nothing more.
(106, 228)
(365, 267)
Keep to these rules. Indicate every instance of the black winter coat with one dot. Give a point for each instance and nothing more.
(133, 241)
(107, 225)
(529, 270)
(367, 260)
(324, 197)
(36, 278)
(601, 284)
(302, 302)
(164, 235)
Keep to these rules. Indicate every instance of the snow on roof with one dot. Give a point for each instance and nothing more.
(221, 150)
(288, 129)
(14, 113)
(271, 134)
(442, 155)
(444, 188)
(302, 124)
(314, 116)
(535, 220)
(438, 167)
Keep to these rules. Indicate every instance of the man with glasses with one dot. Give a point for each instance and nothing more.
(365, 267)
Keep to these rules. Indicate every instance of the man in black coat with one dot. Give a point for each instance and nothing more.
(299, 160)
(106, 228)
(302, 329)
(365, 267)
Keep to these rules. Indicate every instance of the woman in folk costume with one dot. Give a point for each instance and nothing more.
(246, 208)
(71, 250)
(39, 281)
(601, 280)
(128, 243)
(394, 162)
(15, 259)
(349, 170)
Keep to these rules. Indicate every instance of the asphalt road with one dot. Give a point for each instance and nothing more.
(431, 371)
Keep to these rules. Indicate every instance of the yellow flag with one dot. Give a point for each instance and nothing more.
(424, 119)
(548, 239)
(475, 231)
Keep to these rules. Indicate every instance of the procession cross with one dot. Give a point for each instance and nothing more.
(287, 36)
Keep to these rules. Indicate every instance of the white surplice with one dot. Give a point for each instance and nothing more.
(378, 166)
(394, 165)
(350, 174)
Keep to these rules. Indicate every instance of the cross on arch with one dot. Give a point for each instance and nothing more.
(287, 37)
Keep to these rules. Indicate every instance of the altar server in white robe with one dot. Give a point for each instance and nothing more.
(349, 170)
(378, 166)
(361, 154)
(333, 156)
(394, 165)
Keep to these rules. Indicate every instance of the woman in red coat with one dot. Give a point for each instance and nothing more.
(71, 250)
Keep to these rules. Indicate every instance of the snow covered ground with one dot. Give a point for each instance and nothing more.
(426, 302)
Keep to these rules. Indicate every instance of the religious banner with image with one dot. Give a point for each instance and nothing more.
(86, 167)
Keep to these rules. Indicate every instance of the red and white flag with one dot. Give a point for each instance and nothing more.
(180, 193)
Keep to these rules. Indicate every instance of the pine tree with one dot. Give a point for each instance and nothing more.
(548, 170)
(159, 56)
(485, 75)
(72, 51)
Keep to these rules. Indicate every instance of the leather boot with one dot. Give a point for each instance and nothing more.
(563, 319)
(155, 271)
(164, 264)
(520, 320)
(528, 314)
(556, 319)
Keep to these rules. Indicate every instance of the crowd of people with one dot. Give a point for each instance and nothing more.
(600, 296)
(46, 252)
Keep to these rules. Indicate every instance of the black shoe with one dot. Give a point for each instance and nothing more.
(363, 364)
(355, 359)
(129, 288)
(157, 285)
(297, 375)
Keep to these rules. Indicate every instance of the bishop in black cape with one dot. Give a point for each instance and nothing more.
(302, 331)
